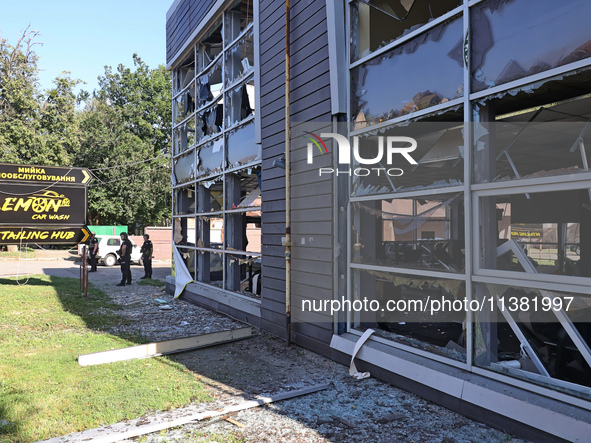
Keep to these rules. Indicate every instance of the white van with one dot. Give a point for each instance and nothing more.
(108, 247)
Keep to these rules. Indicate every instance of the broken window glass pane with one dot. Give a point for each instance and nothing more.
(243, 189)
(439, 158)
(237, 19)
(184, 168)
(519, 334)
(211, 157)
(383, 90)
(400, 310)
(211, 120)
(209, 48)
(377, 23)
(209, 84)
(211, 196)
(185, 200)
(538, 233)
(211, 268)
(210, 232)
(184, 104)
(241, 146)
(243, 274)
(240, 103)
(421, 232)
(240, 59)
(184, 74)
(539, 148)
(560, 31)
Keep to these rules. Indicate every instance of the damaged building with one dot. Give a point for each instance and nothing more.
(299, 207)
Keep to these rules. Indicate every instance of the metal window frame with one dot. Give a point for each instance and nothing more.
(472, 193)
(218, 13)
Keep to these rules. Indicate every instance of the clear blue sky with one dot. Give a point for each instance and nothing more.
(83, 36)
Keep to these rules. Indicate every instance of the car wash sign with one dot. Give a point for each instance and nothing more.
(43, 204)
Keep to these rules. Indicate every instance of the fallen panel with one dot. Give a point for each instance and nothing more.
(134, 428)
(164, 347)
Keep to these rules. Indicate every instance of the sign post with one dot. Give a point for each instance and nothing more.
(43, 204)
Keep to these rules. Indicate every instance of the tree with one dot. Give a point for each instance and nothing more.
(36, 127)
(125, 140)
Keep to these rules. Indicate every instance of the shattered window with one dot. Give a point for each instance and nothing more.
(211, 157)
(240, 103)
(243, 189)
(241, 146)
(538, 233)
(383, 90)
(185, 201)
(402, 313)
(243, 274)
(240, 59)
(377, 23)
(210, 47)
(184, 74)
(533, 334)
(209, 84)
(184, 168)
(541, 143)
(211, 196)
(184, 103)
(555, 34)
(210, 232)
(216, 166)
(421, 233)
(238, 19)
(438, 156)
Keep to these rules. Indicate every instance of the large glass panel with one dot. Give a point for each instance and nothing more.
(536, 335)
(512, 39)
(240, 103)
(422, 312)
(211, 157)
(422, 232)
(512, 150)
(438, 158)
(241, 146)
(545, 233)
(383, 88)
(240, 58)
(184, 168)
(377, 23)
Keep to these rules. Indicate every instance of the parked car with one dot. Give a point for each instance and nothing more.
(108, 247)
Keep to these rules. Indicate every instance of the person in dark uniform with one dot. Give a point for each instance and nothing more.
(147, 250)
(94, 249)
(125, 259)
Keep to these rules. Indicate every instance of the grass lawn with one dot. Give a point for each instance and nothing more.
(23, 253)
(44, 393)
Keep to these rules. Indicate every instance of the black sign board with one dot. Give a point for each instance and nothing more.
(12, 235)
(36, 205)
(44, 174)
